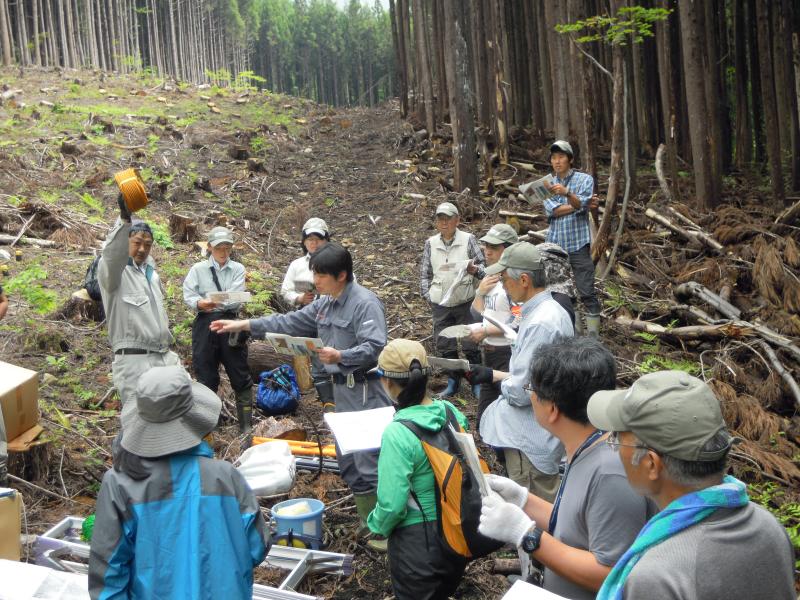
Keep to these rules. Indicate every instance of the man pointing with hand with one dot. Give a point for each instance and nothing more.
(350, 321)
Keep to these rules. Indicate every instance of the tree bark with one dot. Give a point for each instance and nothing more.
(691, 32)
(462, 112)
(769, 99)
(424, 67)
(5, 36)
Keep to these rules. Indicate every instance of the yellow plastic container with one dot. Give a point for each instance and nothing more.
(132, 188)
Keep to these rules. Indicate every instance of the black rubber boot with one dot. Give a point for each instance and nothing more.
(244, 410)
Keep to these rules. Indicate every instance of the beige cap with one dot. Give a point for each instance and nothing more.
(220, 235)
(447, 208)
(669, 411)
(501, 234)
(396, 358)
(522, 255)
(315, 225)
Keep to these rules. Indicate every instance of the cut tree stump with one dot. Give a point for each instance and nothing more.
(182, 228)
(80, 307)
(302, 369)
(284, 428)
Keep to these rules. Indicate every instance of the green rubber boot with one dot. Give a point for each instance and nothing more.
(593, 325)
(244, 410)
(364, 505)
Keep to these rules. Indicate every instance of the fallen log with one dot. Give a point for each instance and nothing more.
(782, 371)
(790, 215)
(690, 332)
(534, 237)
(695, 237)
(26, 241)
(520, 215)
(284, 428)
(692, 288)
(506, 566)
(261, 357)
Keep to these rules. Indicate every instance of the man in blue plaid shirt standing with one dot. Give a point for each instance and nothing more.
(568, 215)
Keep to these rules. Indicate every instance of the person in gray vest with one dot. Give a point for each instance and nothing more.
(133, 299)
(451, 265)
(596, 515)
(709, 541)
(350, 321)
(219, 273)
(532, 454)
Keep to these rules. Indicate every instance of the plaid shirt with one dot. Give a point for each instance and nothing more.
(426, 268)
(571, 231)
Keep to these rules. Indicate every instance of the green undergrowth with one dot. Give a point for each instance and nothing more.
(773, 498)
(26, 285)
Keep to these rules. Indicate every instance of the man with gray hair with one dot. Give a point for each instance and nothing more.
(709, 541)
(532, 454)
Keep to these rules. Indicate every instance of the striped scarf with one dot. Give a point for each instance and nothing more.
(680, 514)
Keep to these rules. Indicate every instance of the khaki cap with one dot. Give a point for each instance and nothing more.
(220, 235)
(447, 208)
(396, 358)
(501, 234)
(670, 411)
(521, 255)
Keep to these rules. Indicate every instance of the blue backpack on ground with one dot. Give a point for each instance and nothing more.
(278, 392)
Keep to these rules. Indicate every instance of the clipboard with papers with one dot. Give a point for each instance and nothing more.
(508, 331)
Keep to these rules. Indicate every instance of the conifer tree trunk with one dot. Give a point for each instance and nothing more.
(462, 114)
(424, 66)
(744, 133)
(693, 48)
(769, 100)
(5, 35)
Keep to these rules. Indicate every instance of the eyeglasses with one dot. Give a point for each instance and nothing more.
(613, 441)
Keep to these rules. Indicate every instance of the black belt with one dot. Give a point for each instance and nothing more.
(135, 351)
(358, 377)
(217, 315)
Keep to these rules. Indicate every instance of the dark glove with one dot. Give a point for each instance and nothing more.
(124, 213)
(479, 374)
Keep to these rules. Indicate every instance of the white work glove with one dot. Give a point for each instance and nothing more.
(509, 490)
(503, 521)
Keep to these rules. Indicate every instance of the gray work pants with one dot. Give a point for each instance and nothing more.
(583, 270)
(128, 368)
(360, 469)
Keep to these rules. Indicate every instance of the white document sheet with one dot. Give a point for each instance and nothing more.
(508, 331)
(522, 590)
(467, 445)
(538, 190)
(361, 429)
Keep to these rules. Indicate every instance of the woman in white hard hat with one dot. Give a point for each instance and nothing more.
(298, 290)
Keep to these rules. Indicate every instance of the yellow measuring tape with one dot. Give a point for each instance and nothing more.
(132, 188)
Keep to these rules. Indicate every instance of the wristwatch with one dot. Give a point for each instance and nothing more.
(532, 539)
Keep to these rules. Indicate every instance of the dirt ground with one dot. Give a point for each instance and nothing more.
(263, 164)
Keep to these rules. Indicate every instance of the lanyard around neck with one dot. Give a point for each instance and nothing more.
(551, 528)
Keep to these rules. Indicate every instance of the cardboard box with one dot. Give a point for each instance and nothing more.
(10, 524)
(19, 399)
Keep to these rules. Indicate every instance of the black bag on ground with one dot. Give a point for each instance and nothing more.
(90, 283)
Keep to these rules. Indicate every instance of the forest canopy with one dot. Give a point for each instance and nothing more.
(310, 48)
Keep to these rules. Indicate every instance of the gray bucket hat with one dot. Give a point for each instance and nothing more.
(562, 146)
(171, 413)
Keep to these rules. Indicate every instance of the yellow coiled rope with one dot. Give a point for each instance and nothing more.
(132, 188)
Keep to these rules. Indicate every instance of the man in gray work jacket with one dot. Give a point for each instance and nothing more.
(350, 321)
(133, 298)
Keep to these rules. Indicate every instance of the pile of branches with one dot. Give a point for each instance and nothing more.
(724, 290)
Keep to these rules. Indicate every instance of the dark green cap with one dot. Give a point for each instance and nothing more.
(670, 411)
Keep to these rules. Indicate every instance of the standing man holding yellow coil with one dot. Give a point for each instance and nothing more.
(133, 297)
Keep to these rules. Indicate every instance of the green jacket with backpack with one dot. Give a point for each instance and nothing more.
(403, 466)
